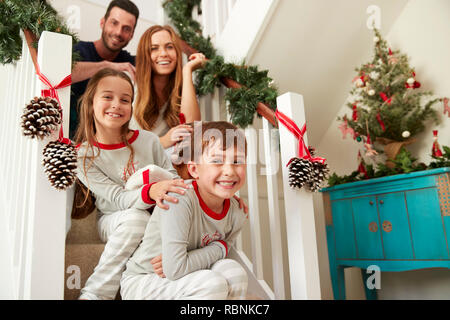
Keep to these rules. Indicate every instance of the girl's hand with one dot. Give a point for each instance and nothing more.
(175, 135)
(242, 205)
(157, 266)
(158, 191)
(195, 61)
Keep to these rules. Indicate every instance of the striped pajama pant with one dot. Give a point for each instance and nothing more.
(122, 231)
(226, 279)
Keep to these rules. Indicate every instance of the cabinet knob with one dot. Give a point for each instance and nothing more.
(381, 201)
(387, 226)
(371, 202)
(373, 227)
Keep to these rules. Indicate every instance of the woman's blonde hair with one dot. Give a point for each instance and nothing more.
(86, 128)
(146, 110)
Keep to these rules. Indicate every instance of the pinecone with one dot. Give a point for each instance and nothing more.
(318, 175)
(299, 172)
(40, 117)
(60, 162)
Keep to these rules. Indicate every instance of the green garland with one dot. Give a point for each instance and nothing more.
(34, 15)
(404, 163)
(257, 86)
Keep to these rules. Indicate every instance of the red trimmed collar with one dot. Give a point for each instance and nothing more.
(207, 210)
(117, 145)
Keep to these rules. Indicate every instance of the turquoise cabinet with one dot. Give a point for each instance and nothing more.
(396, 223)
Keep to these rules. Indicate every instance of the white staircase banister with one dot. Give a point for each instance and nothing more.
(300, 223)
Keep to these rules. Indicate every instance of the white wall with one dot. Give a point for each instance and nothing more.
(421, 32)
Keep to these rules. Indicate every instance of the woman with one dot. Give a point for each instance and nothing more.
(165, 86)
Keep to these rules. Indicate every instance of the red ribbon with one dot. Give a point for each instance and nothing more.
(51, 92)
(385, 98)
(355, 113)
(380, 121)
(303, 151)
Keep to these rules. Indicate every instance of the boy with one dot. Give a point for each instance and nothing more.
(182, 254)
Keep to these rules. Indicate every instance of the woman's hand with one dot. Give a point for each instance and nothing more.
(195, 61)
(175, 135)
(157, 266)
(158, 191)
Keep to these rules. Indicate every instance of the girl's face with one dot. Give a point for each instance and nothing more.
(163, 53)
(112, 104)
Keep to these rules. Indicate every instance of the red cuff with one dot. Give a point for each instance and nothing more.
(145, 194)
(225, 245)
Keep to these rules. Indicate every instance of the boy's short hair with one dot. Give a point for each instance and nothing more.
(208, 132)
(126, 5)
(205, 133)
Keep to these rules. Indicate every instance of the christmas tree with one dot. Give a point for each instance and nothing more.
(387, 107)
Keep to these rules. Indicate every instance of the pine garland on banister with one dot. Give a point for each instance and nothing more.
(34, 15)
(257, 86)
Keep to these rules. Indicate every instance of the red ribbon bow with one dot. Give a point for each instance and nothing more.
(53, 93)
(385, 98)
(303, 151)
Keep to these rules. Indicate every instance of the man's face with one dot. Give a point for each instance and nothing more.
(118, 29)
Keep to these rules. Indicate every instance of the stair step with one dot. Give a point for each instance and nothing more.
(80, 261)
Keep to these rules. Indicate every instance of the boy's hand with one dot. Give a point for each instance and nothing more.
(242, 205)
(158, 191)
(157, 266)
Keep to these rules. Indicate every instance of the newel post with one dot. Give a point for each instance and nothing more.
(301, 228)
(47, 224)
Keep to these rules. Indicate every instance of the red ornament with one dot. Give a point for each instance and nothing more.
(446, 107)
(361, 167)
(436, 150)
(355, 113)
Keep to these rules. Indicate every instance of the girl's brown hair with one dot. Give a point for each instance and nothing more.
(86, 131)
(146, 109)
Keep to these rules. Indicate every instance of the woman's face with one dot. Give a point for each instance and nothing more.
(163, 53)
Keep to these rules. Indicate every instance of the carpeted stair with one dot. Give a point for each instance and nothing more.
(83, 250)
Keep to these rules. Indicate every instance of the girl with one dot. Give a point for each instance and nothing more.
(165, 87)
(108, 153)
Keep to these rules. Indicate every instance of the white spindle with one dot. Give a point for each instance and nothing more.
(272, 155)
(301, 228)
(215, 105)
(253, 203)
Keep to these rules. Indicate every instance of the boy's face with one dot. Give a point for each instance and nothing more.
(220, 173)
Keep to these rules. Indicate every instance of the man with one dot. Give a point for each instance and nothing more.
(118, 27)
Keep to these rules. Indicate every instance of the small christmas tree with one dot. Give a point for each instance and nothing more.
(386, 106)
